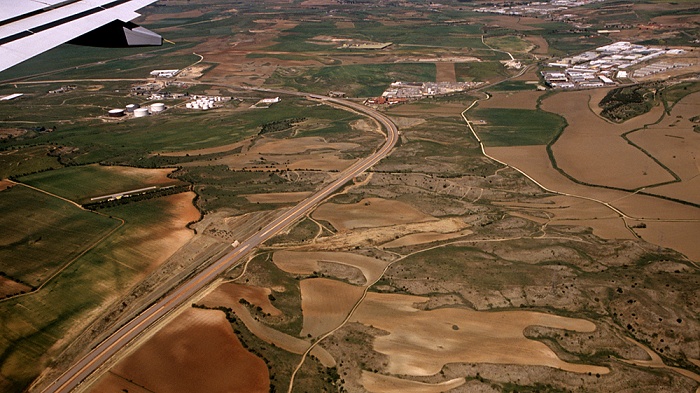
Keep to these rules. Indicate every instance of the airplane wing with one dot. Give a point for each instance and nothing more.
(30, 27)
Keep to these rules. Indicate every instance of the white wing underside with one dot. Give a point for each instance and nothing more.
(29, 27)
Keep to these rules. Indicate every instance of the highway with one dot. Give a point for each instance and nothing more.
(110, 346)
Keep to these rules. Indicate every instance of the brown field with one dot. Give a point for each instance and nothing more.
(325, 304)
(533, 160)
(424, 238)
(295, 262)
(674, 143)
(5, 184)
(445, 72)
(541, 45)
(148, 177)
(291, 344)
(10, 287)
(196, 352)
(295, 154)
(564, 210)
(420, 342)
(276, 197)
(378, 383)
(592, 151)
(512, 100)
(681, 236)
(370, 212)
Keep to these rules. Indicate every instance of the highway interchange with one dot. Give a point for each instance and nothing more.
(114, 343)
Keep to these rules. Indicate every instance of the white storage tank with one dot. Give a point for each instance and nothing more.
(116, 113)
(130, 108)
(157, 107)
(140, 112)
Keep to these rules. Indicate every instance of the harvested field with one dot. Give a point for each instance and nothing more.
(325, 304)
(276, 197)
(424, 238)
(228, 294)
(370, 212)
(420, 343)
(197, 351)
(592, 151)
(295, 262)
(264, 332)
(445, 72)
(680, 236)
(541, 45)
(512, 100)
(378, 383)
(345, 24)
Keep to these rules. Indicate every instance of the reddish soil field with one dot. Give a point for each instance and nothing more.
(196, 352)
(9, 287)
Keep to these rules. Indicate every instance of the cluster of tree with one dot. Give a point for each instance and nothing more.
(279, 125)
(138, 197)
(627, 102)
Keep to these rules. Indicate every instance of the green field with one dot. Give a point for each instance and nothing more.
(509, 43)
(40, 233)
(516, 127)
(486, 71)
(512, 85)
(78, 183)
(33, 324)
(358, 80)
(14, 162)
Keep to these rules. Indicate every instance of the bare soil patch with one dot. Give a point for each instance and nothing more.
(197, 351)
(370, 212)
(680, 236)
(5, 184)
(592, 151)
(10, 287)
(445, 72)
(297, 262)
(325, 304)
(378, 383)
(345, 24)
(541, 45)
(421, 342)
(276, 197)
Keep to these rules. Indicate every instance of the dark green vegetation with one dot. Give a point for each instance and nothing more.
(358, 80)
(516, 127)
(627, 102)
(41, 233)
(513, 86)
(486, 71)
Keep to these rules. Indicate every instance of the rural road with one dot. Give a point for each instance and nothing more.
(107, 348)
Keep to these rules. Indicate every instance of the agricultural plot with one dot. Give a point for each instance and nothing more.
(516, 127)
(197, 351)
(509, 43)
(41, 233)
(79, 183)
(39, 326)
(26, 160)
(371, 212)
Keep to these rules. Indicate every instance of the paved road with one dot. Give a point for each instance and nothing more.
(101, 353)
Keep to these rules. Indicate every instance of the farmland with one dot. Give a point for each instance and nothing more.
(438, 269)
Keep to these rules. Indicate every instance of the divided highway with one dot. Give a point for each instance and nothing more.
(110, 346)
